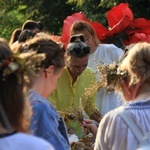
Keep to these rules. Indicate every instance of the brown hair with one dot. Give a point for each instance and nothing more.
(43, 44)
(79, 26)
(25, 35)
(11, 93)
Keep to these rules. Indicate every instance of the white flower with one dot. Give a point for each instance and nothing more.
(90, 135)
(13, 66)
(73, 138)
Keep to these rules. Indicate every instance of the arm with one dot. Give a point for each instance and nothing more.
(89, 124)
(45, 125)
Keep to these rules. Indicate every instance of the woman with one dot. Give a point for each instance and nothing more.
(134, 83)
(75, 79)
(46, 122)
(100, 53)
(13, 122)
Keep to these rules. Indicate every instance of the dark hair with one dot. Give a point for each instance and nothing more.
(41, 25)
(25, 35)
(31, 25)
(11, 93)
(76, 37)
(43, 44)
(14, 36)
(77, 47)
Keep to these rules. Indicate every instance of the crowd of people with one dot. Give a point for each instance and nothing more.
(42, 102)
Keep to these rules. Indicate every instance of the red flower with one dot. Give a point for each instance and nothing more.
(120, 19)
(122, 26)
(115, 15)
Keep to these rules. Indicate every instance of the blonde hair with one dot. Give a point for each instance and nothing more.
(137, 63)
(79, 26)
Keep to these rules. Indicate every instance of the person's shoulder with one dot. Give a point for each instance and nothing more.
(111, 115)
(89, 71)
(89, 75)
(64, 70)
(111, 50)
(40, 107)
(64, 78)
(64, 73)
(109, 47)
(32, 142)
(39, 104)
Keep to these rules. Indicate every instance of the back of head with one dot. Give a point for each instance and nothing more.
(43, 44)
(11, 93)
(137, 64)
(41, 25)
(31, 25)
(77, 47)
(81, 26)
(25, 35)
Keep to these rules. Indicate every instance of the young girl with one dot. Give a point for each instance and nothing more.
(13, 120)
(46, 122)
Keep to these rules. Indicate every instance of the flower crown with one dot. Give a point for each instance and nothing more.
(21, 63)
(109, 75)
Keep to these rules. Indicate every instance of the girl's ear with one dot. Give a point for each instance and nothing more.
(50, 69)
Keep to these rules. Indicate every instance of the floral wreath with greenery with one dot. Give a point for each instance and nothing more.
(20, 63)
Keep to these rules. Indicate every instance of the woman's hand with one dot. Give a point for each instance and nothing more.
(89, 124)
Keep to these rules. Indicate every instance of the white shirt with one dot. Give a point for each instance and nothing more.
(114, 134)
(21, 141)
(106, 53)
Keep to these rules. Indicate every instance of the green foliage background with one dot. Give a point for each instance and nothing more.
(52, 13)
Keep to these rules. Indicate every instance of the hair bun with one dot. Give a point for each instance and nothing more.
(77, 37)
